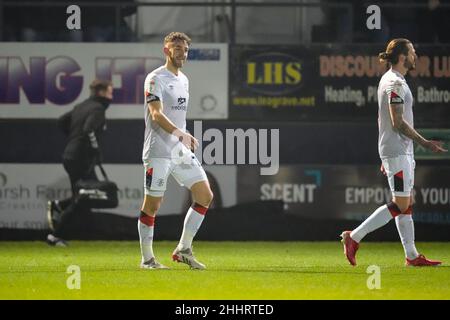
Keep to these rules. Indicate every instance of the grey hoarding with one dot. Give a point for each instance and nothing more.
(345, 192)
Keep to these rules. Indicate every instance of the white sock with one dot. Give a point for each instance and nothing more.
(405, 227)
(376, 220)
(146, 240)
(192, 223)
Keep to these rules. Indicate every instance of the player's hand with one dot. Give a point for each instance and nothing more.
(383, 171)
(187, 140)
(435, 146)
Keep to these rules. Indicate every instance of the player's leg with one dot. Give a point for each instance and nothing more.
(155, 170)
(394, 168)
(405, 223)
(398, 175)
(351, 239)
(202, 194)
(402, 197)
(146, 225)
(405, 226)
(193, 177)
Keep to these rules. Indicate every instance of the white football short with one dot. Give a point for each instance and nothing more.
(400, 174)
(157, 171)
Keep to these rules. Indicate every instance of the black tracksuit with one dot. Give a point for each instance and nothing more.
(83, 126)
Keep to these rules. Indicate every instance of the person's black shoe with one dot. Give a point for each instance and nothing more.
(56, 242)
(53, 213)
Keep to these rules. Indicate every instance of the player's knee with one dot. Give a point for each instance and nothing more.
(151, 208)
(205, 198)
(209, 197)
(403, 207)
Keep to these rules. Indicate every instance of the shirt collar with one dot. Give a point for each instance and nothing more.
(397, 73)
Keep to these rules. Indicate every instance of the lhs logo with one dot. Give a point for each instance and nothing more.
(274, 73)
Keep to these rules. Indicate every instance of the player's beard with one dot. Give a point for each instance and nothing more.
(409, 65)
(177, 63)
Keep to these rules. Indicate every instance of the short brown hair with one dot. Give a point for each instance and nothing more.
(99, 85)
(174, 36)
(394, 49)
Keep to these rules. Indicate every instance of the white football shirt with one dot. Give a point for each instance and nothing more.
(173, 92)
(393, 89)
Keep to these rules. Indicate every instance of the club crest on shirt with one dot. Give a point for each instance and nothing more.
(160, 182)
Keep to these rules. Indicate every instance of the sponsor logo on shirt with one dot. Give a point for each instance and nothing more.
(181, 104)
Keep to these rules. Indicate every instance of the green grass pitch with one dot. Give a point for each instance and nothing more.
(236, 270)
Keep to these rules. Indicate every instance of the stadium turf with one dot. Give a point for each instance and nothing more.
(236, 270)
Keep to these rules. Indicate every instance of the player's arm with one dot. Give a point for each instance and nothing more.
(156, 111)
(400, 125)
